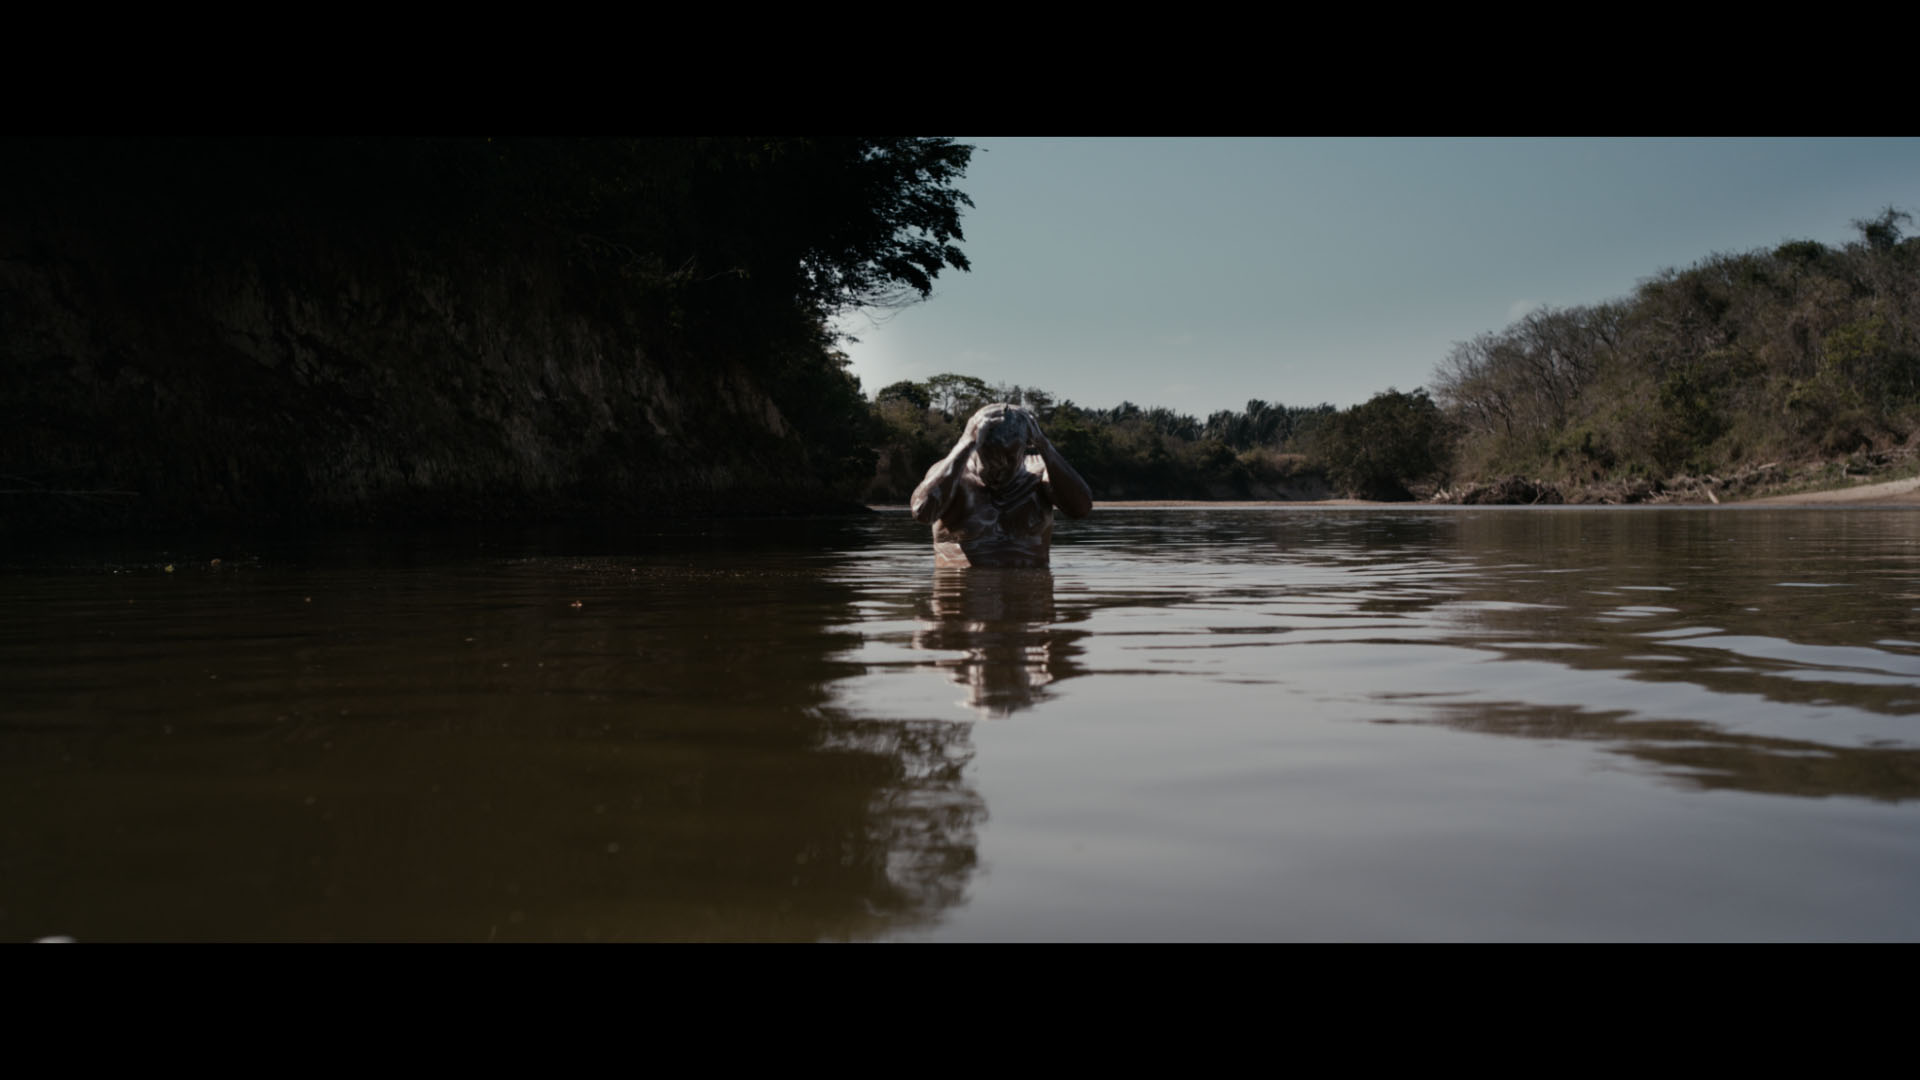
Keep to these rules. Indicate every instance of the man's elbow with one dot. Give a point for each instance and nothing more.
(1075, 502)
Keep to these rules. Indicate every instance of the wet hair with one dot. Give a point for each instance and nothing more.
(1010, 426)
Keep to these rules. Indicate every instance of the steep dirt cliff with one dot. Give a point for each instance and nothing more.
(300, 378)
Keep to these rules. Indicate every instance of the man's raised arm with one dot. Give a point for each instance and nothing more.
(930, 499)
(1068, 491)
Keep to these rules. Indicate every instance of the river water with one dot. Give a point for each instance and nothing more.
(1304, 724)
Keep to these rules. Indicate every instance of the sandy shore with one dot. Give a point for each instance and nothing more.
(1205, 504)
(1229, 504)
(1891, 493)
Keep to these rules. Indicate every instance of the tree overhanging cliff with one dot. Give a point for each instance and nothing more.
(342, 330)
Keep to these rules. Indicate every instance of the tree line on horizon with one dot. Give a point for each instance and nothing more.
(1789, 354)
(1131, 451)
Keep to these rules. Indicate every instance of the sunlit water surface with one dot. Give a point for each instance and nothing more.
(1215, 724)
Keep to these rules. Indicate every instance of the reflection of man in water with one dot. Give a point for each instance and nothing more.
(991, 499)
(997, 633)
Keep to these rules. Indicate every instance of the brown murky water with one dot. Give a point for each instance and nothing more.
(1298, 724)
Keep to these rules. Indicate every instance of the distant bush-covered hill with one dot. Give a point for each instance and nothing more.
(1796, 352)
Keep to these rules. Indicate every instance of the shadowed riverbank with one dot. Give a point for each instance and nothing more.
(315, 333)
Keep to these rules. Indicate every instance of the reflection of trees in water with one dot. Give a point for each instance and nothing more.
(1697, 598)
(458, 753)
(921, 826)
(1680, 596)
(1701, 754)
(998, 629)
(1692, 598)
(756, 809)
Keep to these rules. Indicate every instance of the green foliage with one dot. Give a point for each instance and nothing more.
(1126, 451)
(1085, 442)
(827, 223)
(1800, 252)
(715, 263)
(1379, 449)
(823, 223)
(958, 396)
(1690, 419)
(1882, 232)
(907, 392)
(1798, 351)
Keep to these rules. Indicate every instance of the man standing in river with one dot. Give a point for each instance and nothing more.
(988, 504)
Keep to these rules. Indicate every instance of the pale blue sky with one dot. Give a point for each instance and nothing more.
(1198, 273)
